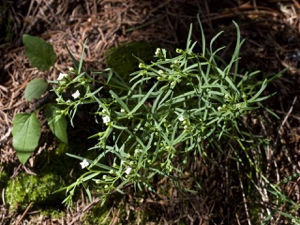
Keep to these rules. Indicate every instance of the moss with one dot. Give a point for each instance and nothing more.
(26, 188)
(3, 179)
(122, 59)
(53, 169)
(53, 213)
(125, 214)
(57, 162)
(98, 215)
(62, 149)
(3, 182)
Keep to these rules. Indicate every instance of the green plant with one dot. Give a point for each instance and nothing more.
(26, 126)
(194, 105)
(25, 189)
(172, 109)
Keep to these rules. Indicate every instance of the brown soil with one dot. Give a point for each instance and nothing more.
(271, 29)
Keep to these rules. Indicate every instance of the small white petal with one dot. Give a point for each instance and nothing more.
(62, 76)
(84, 164)
(181, 118)
(106, 119)
(128, 170)
(76, 94)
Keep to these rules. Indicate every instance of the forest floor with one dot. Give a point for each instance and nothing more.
(271, 30)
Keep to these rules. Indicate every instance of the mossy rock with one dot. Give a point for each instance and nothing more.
(122, 59)
(53, 172)
(25, 188)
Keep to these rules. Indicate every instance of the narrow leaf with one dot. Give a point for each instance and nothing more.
(26, 133)
(142, 101)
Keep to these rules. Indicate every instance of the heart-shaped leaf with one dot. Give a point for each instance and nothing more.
(35, 89)
(26, 134)
(40, 53)
(58, 126)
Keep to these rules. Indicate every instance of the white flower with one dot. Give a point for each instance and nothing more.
(84, 164)
(181, 118)
(157, 52)
(128, 170)
(76, 94)
(106, 119)
(62, 76)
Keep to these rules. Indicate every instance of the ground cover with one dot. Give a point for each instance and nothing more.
(271, 32)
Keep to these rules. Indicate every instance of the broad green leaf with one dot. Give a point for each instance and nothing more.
(57, 125)
(40, 53)
(26, 134)
(35, 89)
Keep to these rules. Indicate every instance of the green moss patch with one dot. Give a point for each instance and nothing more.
(116, 211)
(25, 188)
(122, 59)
